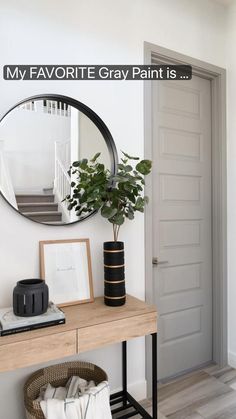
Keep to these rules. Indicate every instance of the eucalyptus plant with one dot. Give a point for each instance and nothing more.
(117, 196)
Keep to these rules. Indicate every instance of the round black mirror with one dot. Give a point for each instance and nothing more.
(40, 138)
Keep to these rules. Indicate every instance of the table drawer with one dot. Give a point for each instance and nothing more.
(116, 331)
(34, 351)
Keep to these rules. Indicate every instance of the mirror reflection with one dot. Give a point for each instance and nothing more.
(39, 140)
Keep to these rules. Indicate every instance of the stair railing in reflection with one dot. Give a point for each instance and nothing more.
(6, 186)
(62, 181)
(52, 107)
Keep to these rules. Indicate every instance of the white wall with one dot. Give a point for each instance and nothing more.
(92, 32)
(29, 138)
(92, 141)
(87, 140)
(231, 111)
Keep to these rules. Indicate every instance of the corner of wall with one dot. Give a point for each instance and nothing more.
(232, 359)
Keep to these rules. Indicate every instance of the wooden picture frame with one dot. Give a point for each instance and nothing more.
(63, 261)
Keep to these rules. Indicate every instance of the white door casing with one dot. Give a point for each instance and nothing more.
(182, 222)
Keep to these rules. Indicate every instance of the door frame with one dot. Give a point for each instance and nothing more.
(154, 54)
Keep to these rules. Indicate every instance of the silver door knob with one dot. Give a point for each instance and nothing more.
(155, 261)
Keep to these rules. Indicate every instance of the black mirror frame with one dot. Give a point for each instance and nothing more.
(95, 119)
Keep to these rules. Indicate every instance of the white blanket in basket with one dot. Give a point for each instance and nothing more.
(77, 400)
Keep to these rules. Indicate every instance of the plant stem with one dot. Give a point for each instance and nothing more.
(116, 230)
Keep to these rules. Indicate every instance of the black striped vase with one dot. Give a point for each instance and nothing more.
(114, 274)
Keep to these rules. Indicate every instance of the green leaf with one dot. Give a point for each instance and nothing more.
(100, 167)
(139, 203)
(108, 212)
(119, 178)
(131, 197)
(130, 215)
(128, 168)
(76, 164)
(95, 157)
(121, 166)
(83, 164)
(129, 157)
(144, 167)
(118, 219)
(97, 205)
(127, 187)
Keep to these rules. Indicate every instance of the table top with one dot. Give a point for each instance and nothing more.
(79, 317)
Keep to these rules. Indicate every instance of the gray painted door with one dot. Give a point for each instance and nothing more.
(182, 223)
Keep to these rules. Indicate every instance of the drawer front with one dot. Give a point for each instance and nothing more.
(116, 331)
(37, 350)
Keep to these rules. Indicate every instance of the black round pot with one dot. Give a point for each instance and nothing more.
(114, 274)
(30, 297)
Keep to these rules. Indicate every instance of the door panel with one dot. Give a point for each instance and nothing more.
(182, 223)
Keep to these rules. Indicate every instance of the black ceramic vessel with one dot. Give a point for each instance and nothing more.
(30, 297)
(114, 274)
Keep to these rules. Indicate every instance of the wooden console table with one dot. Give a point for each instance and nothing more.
(88, 326)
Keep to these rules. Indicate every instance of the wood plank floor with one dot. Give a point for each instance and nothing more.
(209, 393)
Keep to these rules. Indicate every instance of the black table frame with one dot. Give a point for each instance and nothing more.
(123, 397)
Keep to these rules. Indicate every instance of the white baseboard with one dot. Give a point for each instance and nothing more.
(232, 359)
(138, 390)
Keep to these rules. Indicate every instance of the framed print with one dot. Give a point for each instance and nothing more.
(66, 267)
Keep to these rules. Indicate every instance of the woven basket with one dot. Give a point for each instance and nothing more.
(57, 375)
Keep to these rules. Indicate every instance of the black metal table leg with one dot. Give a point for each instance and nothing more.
(154, 375)
(125, 399)
(124, 372)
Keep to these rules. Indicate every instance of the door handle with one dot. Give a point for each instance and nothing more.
(156, 262)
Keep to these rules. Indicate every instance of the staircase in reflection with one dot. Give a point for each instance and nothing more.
(40, 207)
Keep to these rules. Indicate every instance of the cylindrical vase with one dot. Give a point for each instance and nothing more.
(114, 274)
